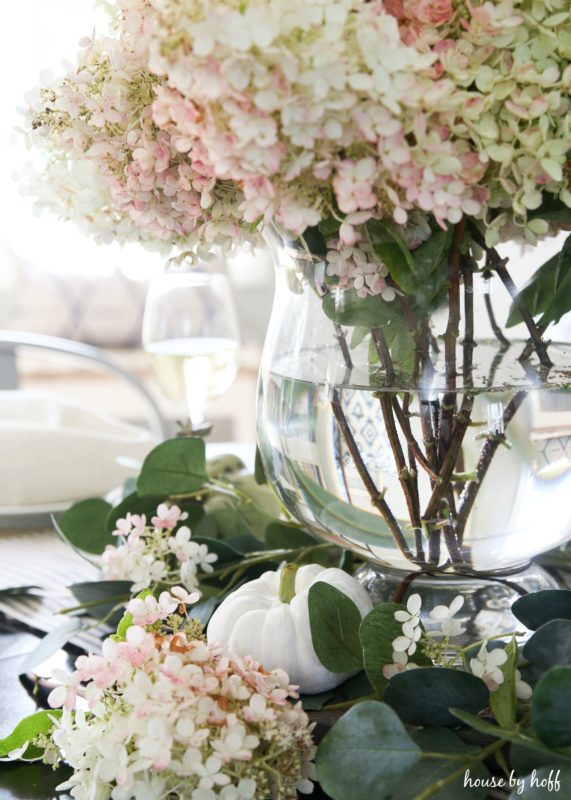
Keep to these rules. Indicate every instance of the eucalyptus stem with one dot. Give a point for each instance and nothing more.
(267, 555)
(451, 777)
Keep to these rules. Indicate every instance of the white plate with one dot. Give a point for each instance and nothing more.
(31, 516)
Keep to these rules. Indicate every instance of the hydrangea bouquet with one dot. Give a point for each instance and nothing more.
(392, 144)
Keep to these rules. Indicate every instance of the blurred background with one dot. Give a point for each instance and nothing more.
(56, 281)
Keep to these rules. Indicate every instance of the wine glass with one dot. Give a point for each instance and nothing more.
(191, 337)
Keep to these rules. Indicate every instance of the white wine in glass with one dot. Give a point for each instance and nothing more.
(190, 336)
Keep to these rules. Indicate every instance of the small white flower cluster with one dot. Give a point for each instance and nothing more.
(156, 554)
(486, 665)
(170, 715)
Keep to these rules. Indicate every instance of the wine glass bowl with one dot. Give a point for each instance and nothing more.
(190, 338)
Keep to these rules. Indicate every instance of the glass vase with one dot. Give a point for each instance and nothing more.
(428, 447)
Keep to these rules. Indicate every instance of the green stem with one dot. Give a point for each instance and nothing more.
(348, 703)
(287, 582)
(436, 787)
(267, 555)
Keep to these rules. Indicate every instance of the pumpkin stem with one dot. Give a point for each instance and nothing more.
(287, 583)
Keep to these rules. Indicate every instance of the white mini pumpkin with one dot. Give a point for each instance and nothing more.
(254, 621)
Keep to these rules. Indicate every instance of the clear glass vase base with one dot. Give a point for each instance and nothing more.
(488, 598)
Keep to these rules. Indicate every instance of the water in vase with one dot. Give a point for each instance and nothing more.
(328, 449)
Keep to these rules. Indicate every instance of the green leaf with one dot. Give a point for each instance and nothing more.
(226, 554)
(340, 518)
(334, 619)
(524, 759)
(543, 784)
(424, 696)
(347, 308)
(19, 591)
(25, 781)
(223, 524)
(27, 730)
(390, 247)
(133, 504)
(378, 631)
(503, 700)
(552, 209)
(100, 597)
(551, 708)
(548, 292)
(281, 536)
(262, 497)
(224, 466)
(205, 609)
(535, 609)
(523, 739)
(431, 266)
(259, 471)
(314, 702)
(428, 771)
(173, 468)
(365, 754)
(84, 526)
(550, 646)
(50, 644)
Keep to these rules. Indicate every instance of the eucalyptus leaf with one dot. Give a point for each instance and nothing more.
(280, 535)
(225, 552)
(19, 591)
(100, 597)
(334, 620)
(27, 730)
(175, 467)
(543, 784)
(365, 754)
(524, 739)
(204, 610)
(537, 608)
(524, 759)
(352, 523)
(222, 523)
(550, 646)
(503, 700)
(378, 631)
(424, 696)
(428, 771)
(133, 504)
(315, 702)
(50, 644)
(84, 526)
(551, 708)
